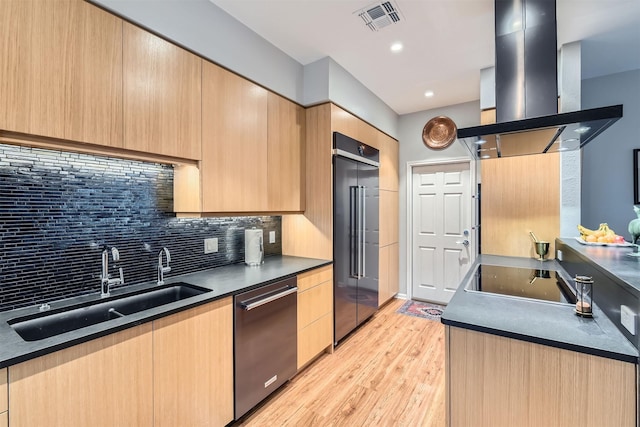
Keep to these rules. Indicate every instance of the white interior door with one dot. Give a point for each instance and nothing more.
(443, 249)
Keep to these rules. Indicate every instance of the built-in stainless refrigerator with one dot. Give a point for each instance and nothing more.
(355, 233)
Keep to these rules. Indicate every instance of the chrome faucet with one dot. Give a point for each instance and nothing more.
(106, 282)
(161, 268)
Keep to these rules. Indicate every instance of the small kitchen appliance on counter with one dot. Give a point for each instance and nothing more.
(253, 247)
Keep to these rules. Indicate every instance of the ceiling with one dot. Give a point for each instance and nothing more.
(446, 42)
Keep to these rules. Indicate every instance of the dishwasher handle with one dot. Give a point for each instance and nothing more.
(250, 306)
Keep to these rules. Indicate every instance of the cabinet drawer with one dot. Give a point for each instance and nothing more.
(4, 402)
(314, 303)
(314, 277)
(4, 419)
(314, 338)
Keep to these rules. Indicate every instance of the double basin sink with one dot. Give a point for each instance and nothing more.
(58, 321)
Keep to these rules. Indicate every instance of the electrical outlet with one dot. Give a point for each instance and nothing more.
(628, 319)
(211, 245)
(272, 237)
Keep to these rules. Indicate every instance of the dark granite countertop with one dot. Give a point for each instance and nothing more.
(547, 323)
(224, 281)
(613, 260)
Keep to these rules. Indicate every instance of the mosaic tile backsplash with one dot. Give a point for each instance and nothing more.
(58, 210)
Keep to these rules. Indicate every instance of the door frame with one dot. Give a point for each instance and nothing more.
(473, 181)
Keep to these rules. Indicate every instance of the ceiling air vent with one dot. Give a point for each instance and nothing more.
(379, 15)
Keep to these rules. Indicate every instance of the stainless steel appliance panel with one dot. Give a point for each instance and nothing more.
(356, 234)
(368, 283)
(346, 261)
(265, 342)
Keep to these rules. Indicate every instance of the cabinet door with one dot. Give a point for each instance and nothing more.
(162, 96)
(383, 276)
(388, 163)
(498, 381)
(394, 269)
(3, 390)
(285, 155)
(388, 217)
(61, 71)
(315, 313)
(103, 382)
(193, 366)
(234, 147)
(4, 403)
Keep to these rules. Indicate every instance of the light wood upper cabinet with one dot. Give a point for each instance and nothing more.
(234, 143)
(162, 96)
(61, 70)
(388, 163)
(103, 382)
(193, 366)
(285, 155)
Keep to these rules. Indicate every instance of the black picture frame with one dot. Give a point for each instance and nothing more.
(636, 185)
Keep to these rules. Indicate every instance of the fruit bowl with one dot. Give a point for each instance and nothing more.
(584, 242)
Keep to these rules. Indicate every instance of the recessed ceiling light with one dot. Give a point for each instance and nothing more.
(396, 47)
(429, 94)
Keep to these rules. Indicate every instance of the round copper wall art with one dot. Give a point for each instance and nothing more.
(439, 132)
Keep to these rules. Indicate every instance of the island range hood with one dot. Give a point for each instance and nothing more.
(527, 118)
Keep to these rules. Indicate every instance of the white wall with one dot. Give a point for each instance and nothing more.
(607, 161)
(412, 149)
(209, 31)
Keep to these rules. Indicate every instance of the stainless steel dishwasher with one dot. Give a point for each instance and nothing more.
(265, 341)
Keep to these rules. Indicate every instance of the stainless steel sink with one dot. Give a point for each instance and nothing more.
(51, 323)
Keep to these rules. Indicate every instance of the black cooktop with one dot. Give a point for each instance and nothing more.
(531, 283)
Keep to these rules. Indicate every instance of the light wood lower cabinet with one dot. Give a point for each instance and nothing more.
(162, 96)
(177, 370)
(285, 155)
(496, 381)
(315, 313)
(193, 366)
(103, 382)
(234, 142)
(388, 280)
(4, 402)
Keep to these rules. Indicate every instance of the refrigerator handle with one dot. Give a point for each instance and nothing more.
(353, 232)
(363, 205)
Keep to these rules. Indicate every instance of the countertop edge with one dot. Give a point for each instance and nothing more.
(538, 340)
(79, 336)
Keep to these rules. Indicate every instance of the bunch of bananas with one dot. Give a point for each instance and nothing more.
(602, 235)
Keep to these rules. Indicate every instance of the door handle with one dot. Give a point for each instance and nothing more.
(354, 267)
(363, 222)
(464, 242)
(250, 306)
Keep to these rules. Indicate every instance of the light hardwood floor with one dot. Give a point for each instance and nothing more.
(389, 373)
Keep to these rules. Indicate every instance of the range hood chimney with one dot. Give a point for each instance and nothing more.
(527, 90)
